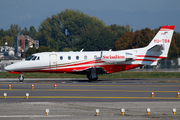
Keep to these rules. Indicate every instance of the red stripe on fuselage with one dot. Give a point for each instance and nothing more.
(150, 56)
(82, 63)
(145, 60)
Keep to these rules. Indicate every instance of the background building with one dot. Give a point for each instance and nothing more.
(10, 55)
(22, 43)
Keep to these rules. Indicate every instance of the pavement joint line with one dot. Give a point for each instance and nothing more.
(89, 97)
(80, 90)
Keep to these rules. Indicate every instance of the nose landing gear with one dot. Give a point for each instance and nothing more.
(21, 78)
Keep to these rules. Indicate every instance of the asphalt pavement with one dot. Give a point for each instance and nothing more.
(79, 98)
(81, 90)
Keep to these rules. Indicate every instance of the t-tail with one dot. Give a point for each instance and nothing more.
(159, 46)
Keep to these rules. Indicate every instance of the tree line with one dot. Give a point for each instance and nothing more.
(72, 30)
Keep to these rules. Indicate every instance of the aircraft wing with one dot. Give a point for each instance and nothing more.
(99, 70)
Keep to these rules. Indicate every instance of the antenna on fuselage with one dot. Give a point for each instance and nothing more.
(101, 54)
(110, 49)
(81, 50)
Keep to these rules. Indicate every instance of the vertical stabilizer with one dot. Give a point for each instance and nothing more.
(158, 48)
(162, 40)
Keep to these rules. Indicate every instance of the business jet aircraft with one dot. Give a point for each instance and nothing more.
(98, 62)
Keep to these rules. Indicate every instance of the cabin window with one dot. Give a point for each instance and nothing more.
(38, 58)
(34, 58)
(69, 57)
(77, 57)
(85, 57)
(30, 57)
(61, 57)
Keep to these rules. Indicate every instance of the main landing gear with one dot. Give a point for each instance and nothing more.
(91, 78)
(92, 75)
(21, 78)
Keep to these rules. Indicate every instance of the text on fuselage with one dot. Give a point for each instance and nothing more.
(113, 57)
(161, 41)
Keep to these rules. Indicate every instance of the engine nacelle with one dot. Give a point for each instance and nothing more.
(113, 57)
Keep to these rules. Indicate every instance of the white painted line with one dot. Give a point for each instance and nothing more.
(44, 79)
(30, 116)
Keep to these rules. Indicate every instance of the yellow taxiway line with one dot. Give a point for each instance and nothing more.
(89, 97)
(32, 116)
(82, 90)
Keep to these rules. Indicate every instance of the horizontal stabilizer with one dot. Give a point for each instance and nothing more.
(157, 48)
(149, 62)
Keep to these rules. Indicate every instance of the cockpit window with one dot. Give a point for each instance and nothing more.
(34, 58)
(30, 57)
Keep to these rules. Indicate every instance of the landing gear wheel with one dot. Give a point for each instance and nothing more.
(88, 76)
(21, 78)
(91, 79)
(96, 78)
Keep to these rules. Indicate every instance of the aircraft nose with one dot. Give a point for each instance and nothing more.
(8, 68)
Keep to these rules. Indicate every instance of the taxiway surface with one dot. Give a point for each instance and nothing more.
(73, 90)
(78, 99)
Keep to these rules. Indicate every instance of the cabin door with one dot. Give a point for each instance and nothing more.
(53, 61)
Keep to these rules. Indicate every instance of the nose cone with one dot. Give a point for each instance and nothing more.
(9, 67)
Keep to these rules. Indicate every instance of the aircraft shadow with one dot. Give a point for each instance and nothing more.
(108, 80)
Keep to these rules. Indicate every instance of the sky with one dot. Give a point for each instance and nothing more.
(139, 14)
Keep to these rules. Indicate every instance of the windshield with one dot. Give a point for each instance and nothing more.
(30, 57)
(34, 58)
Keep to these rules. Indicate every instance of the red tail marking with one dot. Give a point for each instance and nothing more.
(167, 28)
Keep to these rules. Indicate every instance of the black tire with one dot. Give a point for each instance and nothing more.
(90, 78)
(96, 78)
(21, 78)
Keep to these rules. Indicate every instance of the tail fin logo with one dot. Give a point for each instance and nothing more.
(164, 33)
